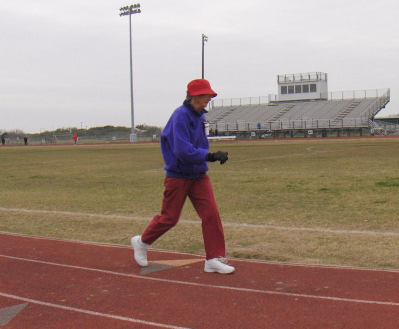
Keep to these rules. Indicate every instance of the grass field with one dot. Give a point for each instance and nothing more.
(305, 201)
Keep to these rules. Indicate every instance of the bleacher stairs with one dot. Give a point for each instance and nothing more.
(284, 110)
(224, 114)
(348, 109)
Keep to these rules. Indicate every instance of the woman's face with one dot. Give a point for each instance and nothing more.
(200, 102)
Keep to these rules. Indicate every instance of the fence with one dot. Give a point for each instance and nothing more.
(67, 139)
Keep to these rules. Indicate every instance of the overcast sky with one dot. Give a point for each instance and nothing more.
(66, 63)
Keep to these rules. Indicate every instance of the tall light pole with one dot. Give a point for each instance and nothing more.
(204, 39)
(130, 10)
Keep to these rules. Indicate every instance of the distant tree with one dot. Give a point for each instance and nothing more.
(104, 131)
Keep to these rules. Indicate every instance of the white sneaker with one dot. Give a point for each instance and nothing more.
(218, 265)
(140, 250)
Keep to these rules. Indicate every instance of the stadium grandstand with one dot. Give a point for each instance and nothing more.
(302, 107)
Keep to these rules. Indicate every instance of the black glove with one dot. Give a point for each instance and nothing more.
(218, 156)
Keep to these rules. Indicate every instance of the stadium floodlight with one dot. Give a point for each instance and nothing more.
(130, 10)
(204, 39)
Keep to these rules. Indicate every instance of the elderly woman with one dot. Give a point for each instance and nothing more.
(185, 150)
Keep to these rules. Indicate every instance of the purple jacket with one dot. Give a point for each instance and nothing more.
(184, 144)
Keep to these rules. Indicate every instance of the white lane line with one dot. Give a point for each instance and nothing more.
(79, 310)
(204, 285)
(188, 221)
(256, 261)
(259, 261)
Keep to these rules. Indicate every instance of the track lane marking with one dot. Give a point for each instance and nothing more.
(79, 310)
(259, 261)
(203, 285)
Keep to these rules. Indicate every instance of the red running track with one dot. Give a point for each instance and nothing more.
(49, 283)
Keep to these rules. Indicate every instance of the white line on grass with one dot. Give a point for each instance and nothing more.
(227, 224)
(204, 285)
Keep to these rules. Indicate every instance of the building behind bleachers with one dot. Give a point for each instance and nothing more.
(303, 106)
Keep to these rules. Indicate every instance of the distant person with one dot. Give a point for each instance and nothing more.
(3, 141)
(26, 140)
(75, 138)
(216, 132)
(185, 148)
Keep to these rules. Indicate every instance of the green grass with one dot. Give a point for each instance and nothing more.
(300, 201)
(389, 182)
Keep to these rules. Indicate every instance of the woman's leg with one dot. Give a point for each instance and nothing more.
(202, 197)
(175, 195)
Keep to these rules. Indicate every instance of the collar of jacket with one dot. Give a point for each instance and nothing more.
(187, 103)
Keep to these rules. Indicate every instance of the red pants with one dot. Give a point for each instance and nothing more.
(201, 195)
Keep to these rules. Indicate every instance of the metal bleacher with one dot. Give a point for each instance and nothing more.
(347, 112)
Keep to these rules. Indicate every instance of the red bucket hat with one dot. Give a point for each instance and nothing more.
(200, 87)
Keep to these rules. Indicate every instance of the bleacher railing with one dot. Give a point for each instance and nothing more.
(242, 125)
(331, 96)
(358, 94)
(239, 101)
